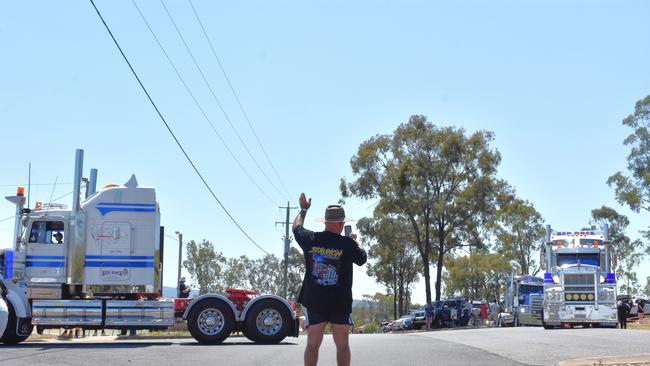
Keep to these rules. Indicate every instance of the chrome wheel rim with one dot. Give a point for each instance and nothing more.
(211, 321)
(269, 322)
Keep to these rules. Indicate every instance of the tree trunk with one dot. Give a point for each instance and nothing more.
(400, 298)
(441, 253)
(394, 302)
(427, 275)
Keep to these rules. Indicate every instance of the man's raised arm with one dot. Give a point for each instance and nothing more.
(304, 206)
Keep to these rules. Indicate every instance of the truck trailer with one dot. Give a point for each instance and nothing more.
(99, 265)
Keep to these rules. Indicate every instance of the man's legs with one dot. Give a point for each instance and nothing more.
(314, 338)
(341, 333)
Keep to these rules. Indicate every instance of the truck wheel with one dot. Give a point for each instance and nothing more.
(268, 321)
(10, 336)
(210, 321)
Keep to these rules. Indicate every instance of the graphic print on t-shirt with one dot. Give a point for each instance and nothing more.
(325, 265)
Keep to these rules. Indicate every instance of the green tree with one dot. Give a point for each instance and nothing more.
(394, 258)
(205, 266)
(634, 189)
(296, 273)
(236, 274)
(264, 275)
(479, 275)
(628, 253)
(438, 179)
(519, 230)
(647, 286)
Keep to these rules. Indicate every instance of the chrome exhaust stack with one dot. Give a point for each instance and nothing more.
(76, 227)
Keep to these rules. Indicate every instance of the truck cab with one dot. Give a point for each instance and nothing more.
(523, 301)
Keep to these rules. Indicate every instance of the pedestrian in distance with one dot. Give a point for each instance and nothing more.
(623, 309)
(326, 292)
(494, 311)
(640, 304)
(428, 312)
(183, 290)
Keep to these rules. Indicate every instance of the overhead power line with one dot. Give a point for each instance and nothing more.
(198, 105)
(216, 99)
(180, 146)
(7, 218)
(241, 106)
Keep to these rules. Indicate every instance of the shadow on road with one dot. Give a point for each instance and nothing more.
(129, 345)
(227, 344)
(85, 345)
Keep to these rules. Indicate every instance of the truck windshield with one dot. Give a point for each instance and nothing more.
(531, 289)
(592, 259)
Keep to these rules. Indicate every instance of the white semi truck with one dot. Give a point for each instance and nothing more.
(579, 283)
(98, 265)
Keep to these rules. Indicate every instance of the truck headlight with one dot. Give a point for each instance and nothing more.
(522, 310)
(556, 279)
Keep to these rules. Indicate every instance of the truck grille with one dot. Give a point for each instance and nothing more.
(571, 279)
(536, 306)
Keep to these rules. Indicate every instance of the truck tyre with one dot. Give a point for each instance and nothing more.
(10, 336)
(267, 321)
(210, 321)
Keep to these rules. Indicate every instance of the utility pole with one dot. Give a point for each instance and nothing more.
(287, 243)
(180, 259)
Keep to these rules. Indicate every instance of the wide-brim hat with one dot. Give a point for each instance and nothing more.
(334, 213)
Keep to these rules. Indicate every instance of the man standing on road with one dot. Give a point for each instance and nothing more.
(428, 312)
(494, 312)
(623, 309)
(326, 291)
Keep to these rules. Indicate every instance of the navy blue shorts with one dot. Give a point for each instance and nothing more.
(332, 317)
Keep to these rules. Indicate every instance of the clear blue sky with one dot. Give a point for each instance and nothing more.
(552, 79)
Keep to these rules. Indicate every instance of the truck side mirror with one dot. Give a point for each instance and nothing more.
(542, 259)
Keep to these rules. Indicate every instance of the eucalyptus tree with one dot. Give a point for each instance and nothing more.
(205, 266)
(633, 189)
(518, 231)
(394, 261)
(439, 179)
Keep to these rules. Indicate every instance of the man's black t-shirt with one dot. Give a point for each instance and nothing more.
(327, 285)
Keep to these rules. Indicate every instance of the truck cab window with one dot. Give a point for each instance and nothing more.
(47, 232)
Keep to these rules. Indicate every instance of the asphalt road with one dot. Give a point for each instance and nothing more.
(504, 346)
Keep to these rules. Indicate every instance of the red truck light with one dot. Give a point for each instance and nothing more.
(180, 305)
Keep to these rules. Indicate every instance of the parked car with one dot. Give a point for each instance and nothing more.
(441, 315)
(419, 318)
(386, 327)
(460, 309)
(403, 323)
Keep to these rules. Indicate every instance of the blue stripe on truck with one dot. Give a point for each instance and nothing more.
(119, 264)
(45, 264)
(133, 257)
